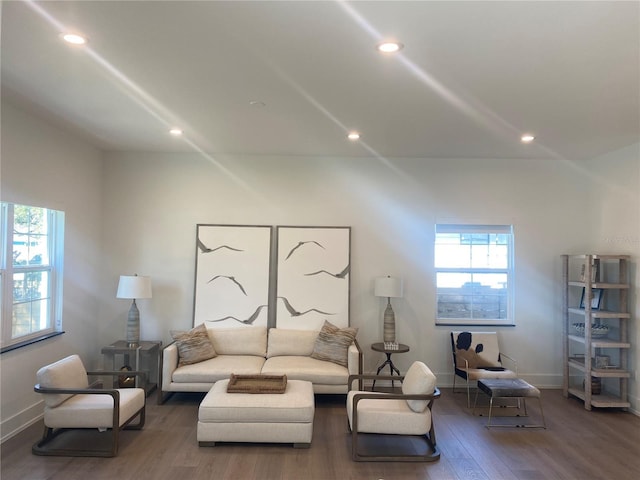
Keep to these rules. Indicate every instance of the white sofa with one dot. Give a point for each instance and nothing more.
(256, 350)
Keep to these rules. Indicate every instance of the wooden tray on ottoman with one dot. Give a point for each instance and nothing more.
(257, 383)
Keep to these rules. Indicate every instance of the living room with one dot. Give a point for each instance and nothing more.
(135, 210)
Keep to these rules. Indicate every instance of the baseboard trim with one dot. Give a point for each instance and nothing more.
(21, 421)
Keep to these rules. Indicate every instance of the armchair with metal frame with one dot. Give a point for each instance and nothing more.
(476, 355)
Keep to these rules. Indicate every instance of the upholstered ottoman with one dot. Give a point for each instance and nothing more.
(509, 388)
(257, 417)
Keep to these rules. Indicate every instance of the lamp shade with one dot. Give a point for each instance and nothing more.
(134, 286)
(388, 287)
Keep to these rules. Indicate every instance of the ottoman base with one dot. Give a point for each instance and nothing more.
(257, 418)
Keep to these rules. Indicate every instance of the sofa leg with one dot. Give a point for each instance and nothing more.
(163, 396)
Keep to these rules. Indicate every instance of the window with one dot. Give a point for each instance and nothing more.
(474, 274)
(30, 273)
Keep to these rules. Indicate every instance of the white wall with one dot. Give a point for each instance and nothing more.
(138, 212)
(615, 210)
(44, 166)
(153, 203)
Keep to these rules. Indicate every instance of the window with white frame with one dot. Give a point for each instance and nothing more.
(474, 274)
(30, 273)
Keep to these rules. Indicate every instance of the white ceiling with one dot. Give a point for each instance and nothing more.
(472, 77)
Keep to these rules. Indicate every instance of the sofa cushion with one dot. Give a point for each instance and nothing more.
(239, 341)
(284, 341)
(319, 372)
(218, 368)
(333, 343)
(194, 346)
(419, 380)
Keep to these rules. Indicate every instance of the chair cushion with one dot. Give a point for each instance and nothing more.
(66, 373)
(478, 373)
(284, 341)
(419, 380)
(480, 349)
(194, 346)
(388, 416)
(94, 411)
(333, 343)
(239, 341)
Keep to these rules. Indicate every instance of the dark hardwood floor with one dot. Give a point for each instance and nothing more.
(577, 445)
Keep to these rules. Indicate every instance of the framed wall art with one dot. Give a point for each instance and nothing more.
(313, 277)
(232, 275)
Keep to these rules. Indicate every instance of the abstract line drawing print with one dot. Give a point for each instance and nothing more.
(233, 279)
(295, 313)
(301, 244)
(313, 277)
(232, 275)
(248, 321)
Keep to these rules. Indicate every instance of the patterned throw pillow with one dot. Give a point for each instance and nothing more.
(193, 346)
(333, 343)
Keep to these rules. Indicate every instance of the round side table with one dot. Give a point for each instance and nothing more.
(380, 347)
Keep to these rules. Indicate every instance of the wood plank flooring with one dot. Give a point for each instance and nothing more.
(577, 445)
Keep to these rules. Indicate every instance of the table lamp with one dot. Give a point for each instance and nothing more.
(134, 286)
(388, 287)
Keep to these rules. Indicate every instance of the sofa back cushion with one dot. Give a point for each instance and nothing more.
(239, 341)
(66, 373)
(419, 380)
(283, 342)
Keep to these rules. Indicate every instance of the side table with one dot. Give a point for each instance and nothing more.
(381, 347)
(145, 357)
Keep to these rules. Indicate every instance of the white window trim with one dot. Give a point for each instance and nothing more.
(510, 271)
(55, 269)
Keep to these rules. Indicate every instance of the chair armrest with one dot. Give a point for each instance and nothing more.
(371, 376)
(512, 360)
(396, 396)
(80, 391)
(120, 373)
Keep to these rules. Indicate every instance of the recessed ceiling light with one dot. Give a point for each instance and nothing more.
(176, 132)
(527, 138)
(389, 47)
(74, 38)
(353, 135)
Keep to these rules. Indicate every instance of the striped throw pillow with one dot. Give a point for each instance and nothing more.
(193, 346)
(332, 344)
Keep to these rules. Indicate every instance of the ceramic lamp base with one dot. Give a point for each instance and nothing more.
(389, 326)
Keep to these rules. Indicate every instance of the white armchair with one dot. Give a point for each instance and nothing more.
(77, 418)
(407, 414)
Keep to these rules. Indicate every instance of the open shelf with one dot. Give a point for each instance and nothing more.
(608, 273)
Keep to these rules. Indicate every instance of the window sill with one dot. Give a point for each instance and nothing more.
(31, 341)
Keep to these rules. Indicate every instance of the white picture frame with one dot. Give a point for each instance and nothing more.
(233, 264)
(313, 277)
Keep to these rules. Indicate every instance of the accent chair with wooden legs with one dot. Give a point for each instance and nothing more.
(83, 421)
(405, 414)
